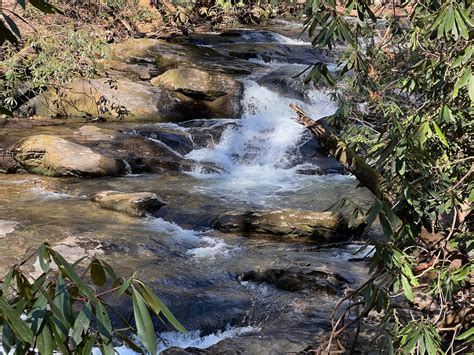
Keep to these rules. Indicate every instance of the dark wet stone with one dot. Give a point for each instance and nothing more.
(286, 223)
(285, 53)
(298, 279)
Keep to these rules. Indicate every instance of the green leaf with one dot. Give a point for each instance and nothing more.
(18, 325)
(63, 302)
(69, 271)
(145, 328)
(82, 323)
(104, 325)
(43, 258)
(407, 288)
(463, 80)
(107, 348)
(125, 286)
(440, 134)
(157, 305)
(98, 273)
(467, 334)
(45, 341)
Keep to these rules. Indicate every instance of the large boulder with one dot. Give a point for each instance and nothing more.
(159, 56)
(219, 92)
(137, 204)
(54, 156)
(126, 100)
(285, 223)
(112, 100)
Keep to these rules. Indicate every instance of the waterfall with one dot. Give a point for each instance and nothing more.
(258, 152)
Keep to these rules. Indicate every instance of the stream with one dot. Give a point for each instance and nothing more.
(265, 161)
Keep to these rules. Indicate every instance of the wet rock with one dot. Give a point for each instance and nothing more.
(219, 92)
(285, 223)
(283, 85)
(163, 56)
(297, 279)
(125, 100)
(198, 84)
(267, 52)
(177, 139)
(189, 135)
(137, 204)
(54, 156)
(142, 154)
(112, 100)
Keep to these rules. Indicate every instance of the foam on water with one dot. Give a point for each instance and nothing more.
(49, 195)
(7, 227)
(201, 246)
(256, 153)
(211, 248)
(192, 339)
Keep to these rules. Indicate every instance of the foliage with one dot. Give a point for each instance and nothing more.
(406, 89)
(59, 311)
(50, 58)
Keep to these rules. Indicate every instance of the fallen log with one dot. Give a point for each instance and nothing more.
(356, 165)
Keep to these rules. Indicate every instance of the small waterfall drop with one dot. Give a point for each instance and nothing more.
(257, 153)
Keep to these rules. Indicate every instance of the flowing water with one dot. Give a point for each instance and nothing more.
(194, 268)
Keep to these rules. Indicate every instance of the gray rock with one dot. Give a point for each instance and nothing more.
(137, 204)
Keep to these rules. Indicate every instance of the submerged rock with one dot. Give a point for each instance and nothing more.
(54, 156)
(136, 204)
(297, 279)
(285, 223)
(268, 52)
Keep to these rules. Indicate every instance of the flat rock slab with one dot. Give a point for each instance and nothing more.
(137, 204)
(287, 223)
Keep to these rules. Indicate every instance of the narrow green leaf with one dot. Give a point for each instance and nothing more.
(467, 334)
(145, 328)
(407, 288)
(157, 305)
(69, 271)
(18, 325)
(82, 323)
(440, 134)
(104, 325)
(43, 258)
(463, 80)
(45, 341)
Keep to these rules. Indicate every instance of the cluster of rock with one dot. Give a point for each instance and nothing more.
(152, 80)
